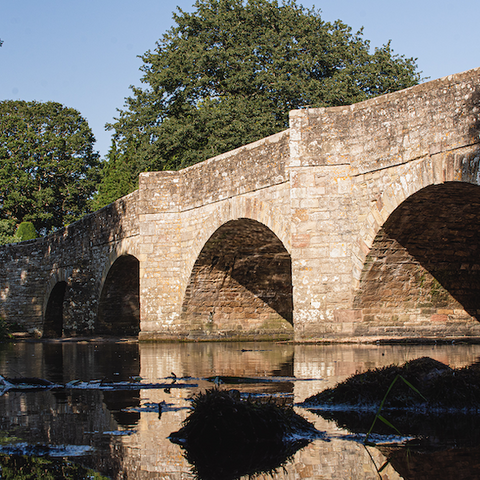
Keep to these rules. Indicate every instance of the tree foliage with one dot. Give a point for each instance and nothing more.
(7, 231)
(48, 169)
(229, 73)
(119, 177)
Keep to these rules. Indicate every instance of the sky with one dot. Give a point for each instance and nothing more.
(85, 54)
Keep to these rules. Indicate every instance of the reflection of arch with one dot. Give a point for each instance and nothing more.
(241, 283)
(53, 320)
(424, 261)
(119, 304)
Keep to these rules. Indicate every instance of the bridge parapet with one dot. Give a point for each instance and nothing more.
(434, 117)
(250, 168)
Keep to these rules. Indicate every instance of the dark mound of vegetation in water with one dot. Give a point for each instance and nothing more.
(441, 386)
(225, 437)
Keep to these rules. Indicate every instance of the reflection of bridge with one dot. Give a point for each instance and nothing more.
(358, 221)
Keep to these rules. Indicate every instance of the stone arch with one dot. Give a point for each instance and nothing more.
(53, 320)
(119, 301)
(423, 267)
(410, 179)
(238, 207)
(53, 306)
(124, 247)
(240, 284)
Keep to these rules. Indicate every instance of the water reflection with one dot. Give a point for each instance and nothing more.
(128, 438)
(416, 461)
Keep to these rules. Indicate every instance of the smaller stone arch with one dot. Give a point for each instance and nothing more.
(54, 302)
(240, 285)
(53, 322)
(119, 303)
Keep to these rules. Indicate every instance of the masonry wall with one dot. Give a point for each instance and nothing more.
(350, 168)
(80, 255)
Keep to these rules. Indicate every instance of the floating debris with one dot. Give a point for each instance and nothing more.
(100, 385)
(28, 449)
(231, 380)
(31, 383)
(120, 433)
(25, 383)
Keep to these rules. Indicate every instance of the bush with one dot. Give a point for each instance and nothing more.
(26, 231)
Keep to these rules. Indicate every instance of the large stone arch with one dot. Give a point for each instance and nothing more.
(240, 285)
(266, 213)
(421, 273)
(408, 180)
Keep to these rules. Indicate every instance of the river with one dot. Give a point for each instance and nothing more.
(121, 434)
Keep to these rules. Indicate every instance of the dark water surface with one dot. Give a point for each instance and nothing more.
(120, 433)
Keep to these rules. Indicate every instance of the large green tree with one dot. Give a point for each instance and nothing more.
(229, 73)
(48, 169)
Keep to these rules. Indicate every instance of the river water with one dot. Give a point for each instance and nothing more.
(120, 433)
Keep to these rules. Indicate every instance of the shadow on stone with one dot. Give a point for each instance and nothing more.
(225, 437)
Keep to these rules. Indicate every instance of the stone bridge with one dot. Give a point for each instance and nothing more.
(357, 223)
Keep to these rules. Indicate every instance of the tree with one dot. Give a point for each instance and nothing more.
(7, 231)
(48, 169)
(229, 73)
(118, 178)
(25, 231)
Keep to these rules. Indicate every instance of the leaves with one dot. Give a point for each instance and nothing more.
(48, 169)
(229, 73)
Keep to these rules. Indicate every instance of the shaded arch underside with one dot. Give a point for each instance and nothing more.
(424, 265)
(53, 323)
(119, 306)
(241, 284)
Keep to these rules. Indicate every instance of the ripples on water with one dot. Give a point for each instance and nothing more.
(122, 433)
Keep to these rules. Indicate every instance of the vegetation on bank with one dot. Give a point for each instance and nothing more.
(23, 467)
(5, 332)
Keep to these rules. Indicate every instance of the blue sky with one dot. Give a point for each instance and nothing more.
(84, 54)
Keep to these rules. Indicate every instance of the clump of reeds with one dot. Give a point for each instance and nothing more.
(440, 387)
(226, 437)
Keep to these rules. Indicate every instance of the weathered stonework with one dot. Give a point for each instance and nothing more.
(356, 223)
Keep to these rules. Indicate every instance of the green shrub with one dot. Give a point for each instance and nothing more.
(26, 231)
